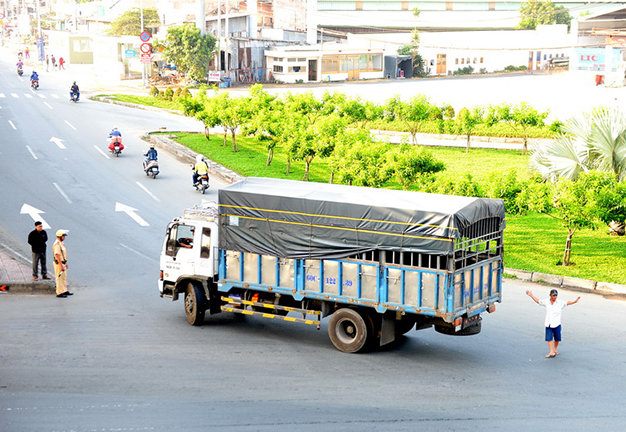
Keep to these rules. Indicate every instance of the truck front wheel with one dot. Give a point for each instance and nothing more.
(195, 304)
(347, 330)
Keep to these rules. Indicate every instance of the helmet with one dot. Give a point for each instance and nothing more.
(199, 158)
(62, 232)
(151, 145)
(34, 72)
(74, 82)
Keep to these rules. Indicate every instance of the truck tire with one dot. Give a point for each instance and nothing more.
(195, 304)
(348, 330)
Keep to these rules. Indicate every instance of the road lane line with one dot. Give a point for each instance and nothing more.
(148, 192)
(32, 153)
(55, 96)
(63, 194)
(15, 95)
(12, 125)
(2, 95)
(101, 152)
(43, 96)
(70, 125)
(138, 253)
(28, 96)
(48, 105)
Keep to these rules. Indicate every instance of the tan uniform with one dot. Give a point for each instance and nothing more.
(58, 249)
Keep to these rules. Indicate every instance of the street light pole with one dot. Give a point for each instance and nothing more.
(143, 69)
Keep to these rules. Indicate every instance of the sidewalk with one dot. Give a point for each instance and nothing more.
(16, 277)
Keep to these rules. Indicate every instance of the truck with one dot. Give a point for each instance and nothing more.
(377, 262)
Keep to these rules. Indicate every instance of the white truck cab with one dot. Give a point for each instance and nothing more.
(189, 249)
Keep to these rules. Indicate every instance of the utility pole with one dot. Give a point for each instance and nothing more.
(143, 69)
(219, 35)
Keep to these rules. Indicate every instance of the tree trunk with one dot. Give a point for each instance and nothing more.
(270, 156)
(414, 137)
(307, 165)
(525, 145)
(288, 165)
(225, 135)
(232, 132)
(468, 144)
(568, 247)
(332, 176)
(207, 133)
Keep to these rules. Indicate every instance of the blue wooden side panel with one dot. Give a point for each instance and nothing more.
(392, 287)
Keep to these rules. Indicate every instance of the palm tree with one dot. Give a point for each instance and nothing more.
(597, 141)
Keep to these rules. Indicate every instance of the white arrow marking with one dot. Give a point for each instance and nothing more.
(58, 141)
(130, 211)
(34, 213)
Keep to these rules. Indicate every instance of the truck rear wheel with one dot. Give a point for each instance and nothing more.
(348, 330)
(195, 304)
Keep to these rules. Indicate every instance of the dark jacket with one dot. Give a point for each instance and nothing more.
(37, 240)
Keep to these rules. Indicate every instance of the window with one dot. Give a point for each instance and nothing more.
(205, 243)
(184, 236)
(81, 45)
(456, 61)
(330, 64)
(475, 60)
(468, 60)
(462, 61)
(492, 6)
(301, 59)
(449, 6)
(404, 5)
(297, 69)
(278, 68)
(359, 5)
(482, 60)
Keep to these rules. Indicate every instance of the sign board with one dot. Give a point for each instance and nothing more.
(129, 53)
(146, 48)
(593, 59)
(145, 36)
(214, 76)
(146, 58)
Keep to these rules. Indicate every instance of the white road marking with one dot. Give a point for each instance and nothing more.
(43, 96)
(32, 153)
(28, 96)
(48, 105)
(14, 252)
(58, 142)
(130, 211)
(34, 213)
(15, 95)
(2, 95)
(101, 152)
(138, 253)
(148, 192)
(12, 125)
(63, 194)
(55, 96)
(70, 125)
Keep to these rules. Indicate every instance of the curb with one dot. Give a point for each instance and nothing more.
(587, 285)
(28, 288)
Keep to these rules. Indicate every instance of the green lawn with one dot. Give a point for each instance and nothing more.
(145, 100)
(532, 242)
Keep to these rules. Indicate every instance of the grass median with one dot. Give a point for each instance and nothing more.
(533, 242)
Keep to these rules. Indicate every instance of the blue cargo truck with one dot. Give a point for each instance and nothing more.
(378, 262)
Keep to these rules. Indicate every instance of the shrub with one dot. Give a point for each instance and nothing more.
(185, 93)
(168, 94)
(154, 91)
(556, 127)
(177, 93)
(464, 71)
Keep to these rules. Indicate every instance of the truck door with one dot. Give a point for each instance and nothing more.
(179, 250)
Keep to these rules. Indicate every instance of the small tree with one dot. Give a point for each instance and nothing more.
(189, 49)
(467, 120)
(129, 23)
(520, 118)
(407, 164)
(266, 120)
(535, 12)
(412, 113)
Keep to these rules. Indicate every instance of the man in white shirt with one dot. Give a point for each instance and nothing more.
(554, 308)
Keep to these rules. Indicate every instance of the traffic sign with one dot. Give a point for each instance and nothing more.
(146, 48)
(130, 53)
(146, 58)
(145, 36)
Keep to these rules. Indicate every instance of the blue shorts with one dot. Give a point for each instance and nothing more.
(553, 333)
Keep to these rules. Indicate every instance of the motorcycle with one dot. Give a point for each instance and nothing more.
(34, 84)
(20, 71)
(151, 167)
(202, 183)
(74, 97)
(115, 146)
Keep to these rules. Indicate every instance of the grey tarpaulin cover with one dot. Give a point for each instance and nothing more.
(293, 219)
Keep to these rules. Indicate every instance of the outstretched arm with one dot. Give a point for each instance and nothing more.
(532, 296)
(572, 302)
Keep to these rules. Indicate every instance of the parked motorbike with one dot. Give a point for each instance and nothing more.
(151, 167)
(34, 84)
(74, 96)
(202, 183)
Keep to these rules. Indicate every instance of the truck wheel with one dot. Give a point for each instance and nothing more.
(195, 304)
(347, 330)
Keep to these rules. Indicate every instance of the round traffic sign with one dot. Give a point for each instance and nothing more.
(146, 48)
(145, 36)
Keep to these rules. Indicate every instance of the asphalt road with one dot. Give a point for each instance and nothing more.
(116, 357)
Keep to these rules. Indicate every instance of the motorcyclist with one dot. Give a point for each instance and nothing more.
(199, 169)
(151, 154)
(74, 90)
(34, 77)
(115, 136)
(20, 64)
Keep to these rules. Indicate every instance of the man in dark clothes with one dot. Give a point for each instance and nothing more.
(37, 240)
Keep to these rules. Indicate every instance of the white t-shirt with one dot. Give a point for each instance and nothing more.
(553, 311)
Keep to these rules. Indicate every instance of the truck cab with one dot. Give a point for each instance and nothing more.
(189, 251)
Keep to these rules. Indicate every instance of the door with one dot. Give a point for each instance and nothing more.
(353, 68)
(312, 70)
(206, 261)
(179, 252)
(442, 68)
(530, 60)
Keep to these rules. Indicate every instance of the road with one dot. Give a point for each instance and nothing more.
(116, 357)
